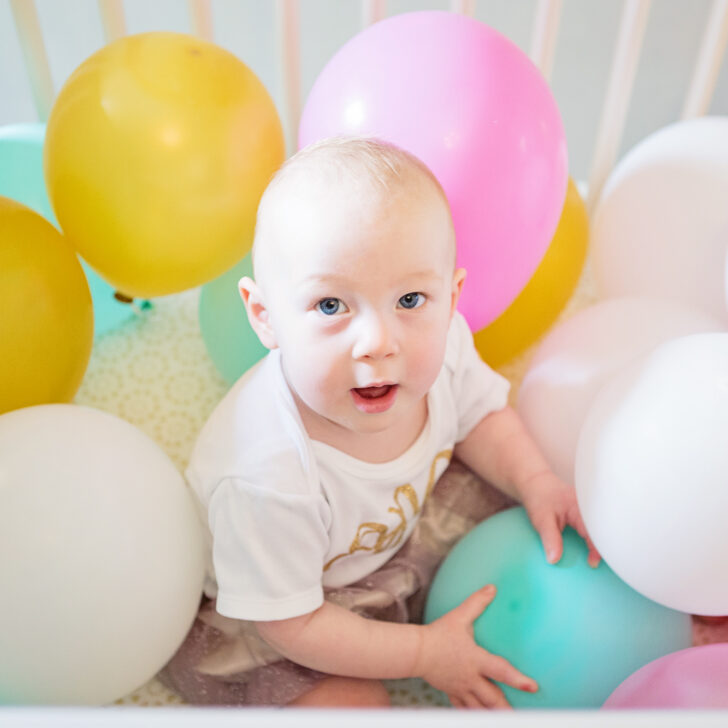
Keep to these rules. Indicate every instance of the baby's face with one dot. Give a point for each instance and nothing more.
(360, 303)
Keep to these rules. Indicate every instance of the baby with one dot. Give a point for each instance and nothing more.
(320, 470)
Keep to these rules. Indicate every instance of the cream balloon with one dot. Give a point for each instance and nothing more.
(651, 474)
(661, 225)
(576, 359)
(103, 557)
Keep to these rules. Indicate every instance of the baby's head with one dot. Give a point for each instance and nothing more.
(354, 260)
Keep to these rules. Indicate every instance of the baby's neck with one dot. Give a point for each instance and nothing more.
(374, 447)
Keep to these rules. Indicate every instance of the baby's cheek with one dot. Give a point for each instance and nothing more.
(426, 361)
(319, 371)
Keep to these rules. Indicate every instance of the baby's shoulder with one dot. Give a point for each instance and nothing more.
(253, 435)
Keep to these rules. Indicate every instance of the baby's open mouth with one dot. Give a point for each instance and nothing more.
(373, 400)
(374, 392)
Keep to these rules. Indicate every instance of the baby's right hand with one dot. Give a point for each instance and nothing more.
(451, 661)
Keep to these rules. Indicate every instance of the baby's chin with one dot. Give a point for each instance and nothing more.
(391, 419)
(372, 424)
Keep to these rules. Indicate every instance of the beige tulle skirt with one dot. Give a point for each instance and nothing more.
(224, 661)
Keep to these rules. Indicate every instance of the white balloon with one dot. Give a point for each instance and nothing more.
(651, 470)
(102, 556)
(661, 225)
(576, 359)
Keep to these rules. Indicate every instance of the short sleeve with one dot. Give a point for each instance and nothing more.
(268, 551)
(477, 389)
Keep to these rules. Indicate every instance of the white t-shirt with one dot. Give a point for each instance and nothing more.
(289, 515)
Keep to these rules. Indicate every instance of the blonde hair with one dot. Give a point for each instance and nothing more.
(375, 160)
(365, 162)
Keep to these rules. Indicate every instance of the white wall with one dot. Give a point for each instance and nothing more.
(587, 34)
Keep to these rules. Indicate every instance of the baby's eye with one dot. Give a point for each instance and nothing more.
(331, 306)
(412, 300)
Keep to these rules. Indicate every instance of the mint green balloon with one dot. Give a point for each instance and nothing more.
(22, 180)
(579, 632)
(231, 342)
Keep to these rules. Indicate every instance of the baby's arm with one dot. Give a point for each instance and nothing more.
(336, 641)
(501, 450)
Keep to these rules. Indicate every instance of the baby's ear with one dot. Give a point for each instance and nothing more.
(458, 279)
(257, 312)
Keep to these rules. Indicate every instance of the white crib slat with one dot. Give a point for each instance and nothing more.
(372, 11)
(34, 53)
(619, 90)
(113, 21)
(287, 13)
(707, 67)
(465, 7)
(201, 18)
(543, 39)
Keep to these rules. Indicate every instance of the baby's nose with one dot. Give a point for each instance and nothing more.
(375, 339)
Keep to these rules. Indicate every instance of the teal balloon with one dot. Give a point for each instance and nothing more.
(231, 342)
(579, 632)
(21, 179)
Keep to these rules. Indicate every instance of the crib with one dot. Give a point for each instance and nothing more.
(618, 72)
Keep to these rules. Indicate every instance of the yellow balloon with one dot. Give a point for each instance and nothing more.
(157, 152)
(544, 297)
(46, 319)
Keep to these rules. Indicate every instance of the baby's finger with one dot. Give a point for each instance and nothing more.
(488, 695)
(498, 668)
(472, 607)
(577, 522)
(455, 702)
(473, 703)
(593, 558)
(548, 528)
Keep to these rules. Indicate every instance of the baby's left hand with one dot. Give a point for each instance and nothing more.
(551, 505)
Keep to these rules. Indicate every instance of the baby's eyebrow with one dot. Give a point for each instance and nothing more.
(428, 274)
(324, 284)
(324, 278)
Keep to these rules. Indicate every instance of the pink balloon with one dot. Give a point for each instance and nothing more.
(471, 105)
(693, 678)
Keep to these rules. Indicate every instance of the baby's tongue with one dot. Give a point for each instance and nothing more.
(373, 392)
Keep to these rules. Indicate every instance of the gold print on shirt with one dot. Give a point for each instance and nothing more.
(377, 537)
